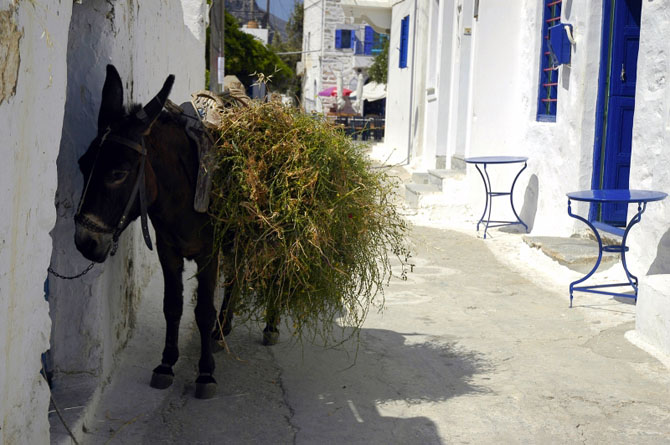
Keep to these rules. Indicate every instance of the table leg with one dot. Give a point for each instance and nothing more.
(632, 279)
(511, 196)
(487, 192)
(600, 250)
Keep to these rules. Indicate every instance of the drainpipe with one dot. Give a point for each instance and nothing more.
(411, 82)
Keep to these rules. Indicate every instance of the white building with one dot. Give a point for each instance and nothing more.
(479, 81)
(260, 34)
(334, 50)
(52, 67)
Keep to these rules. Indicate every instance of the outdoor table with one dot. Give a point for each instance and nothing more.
(486, 160)
(623, 196)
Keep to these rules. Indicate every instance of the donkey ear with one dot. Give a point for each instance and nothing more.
(111, 107)
(150, 112)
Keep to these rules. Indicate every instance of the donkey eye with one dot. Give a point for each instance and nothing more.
(117, 176)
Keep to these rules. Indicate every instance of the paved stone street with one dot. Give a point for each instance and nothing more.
(475, 347)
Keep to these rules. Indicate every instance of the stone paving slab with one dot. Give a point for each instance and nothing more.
(579, 254)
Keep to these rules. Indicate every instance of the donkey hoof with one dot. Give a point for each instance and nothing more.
(205, 386)
(270, 337)
(162, 377)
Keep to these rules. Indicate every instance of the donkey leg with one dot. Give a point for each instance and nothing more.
(271, 331)
(173, 266)
(225, 320)
(205, 316)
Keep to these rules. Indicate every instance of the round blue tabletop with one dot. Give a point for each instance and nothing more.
(496, 159)
(618, 195)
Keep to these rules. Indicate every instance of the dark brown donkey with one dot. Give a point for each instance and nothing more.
(142, 162)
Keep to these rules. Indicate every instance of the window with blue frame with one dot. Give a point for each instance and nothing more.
(547, 97)
(345, 39)
(404, 41)
(372, 43)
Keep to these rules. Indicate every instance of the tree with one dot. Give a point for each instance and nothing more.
(378, 72)
(245, 56)
(292, 44)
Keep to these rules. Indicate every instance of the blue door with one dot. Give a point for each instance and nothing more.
(616, 103)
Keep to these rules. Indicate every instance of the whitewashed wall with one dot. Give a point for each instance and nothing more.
(650, 170)
(52, 64)
(504, 107)
(31, 115)
(312, 43)
(406, 87)
(439, 85)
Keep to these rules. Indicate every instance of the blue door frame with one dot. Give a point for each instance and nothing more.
(616, 103)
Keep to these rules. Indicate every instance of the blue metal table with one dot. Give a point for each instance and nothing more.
(484, 161)
(639, 197)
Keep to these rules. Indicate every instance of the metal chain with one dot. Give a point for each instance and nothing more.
(64, 277)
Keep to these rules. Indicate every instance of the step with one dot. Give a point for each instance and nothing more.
(415, 192)
(579, 254)
(440, 177)
(420, 178)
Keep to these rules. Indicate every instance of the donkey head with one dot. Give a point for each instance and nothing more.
(114, 167)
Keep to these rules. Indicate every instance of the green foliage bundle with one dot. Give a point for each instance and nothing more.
(312, 224)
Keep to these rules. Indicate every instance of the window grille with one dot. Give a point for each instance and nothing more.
(548, 88)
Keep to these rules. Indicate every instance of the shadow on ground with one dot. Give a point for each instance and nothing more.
(374, 389)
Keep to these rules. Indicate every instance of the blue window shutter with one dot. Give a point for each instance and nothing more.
(404, 40)
(369, 40)
(353, 40)
(338, 38)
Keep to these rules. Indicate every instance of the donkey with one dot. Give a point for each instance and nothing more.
(141, 151)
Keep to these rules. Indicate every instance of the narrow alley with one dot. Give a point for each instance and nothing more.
(467, 350)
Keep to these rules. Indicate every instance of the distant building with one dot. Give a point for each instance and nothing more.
(334, 47)
(246, 11)
(251, 28)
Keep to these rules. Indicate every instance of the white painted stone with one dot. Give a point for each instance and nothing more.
(652, 312)
(30, 124)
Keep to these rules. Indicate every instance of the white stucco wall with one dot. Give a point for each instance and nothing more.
(649, 170)
(496, 83)
(312, 45)
(52, 65)
(92, 316)
(406, 86)
(31, 115)
(504, 106)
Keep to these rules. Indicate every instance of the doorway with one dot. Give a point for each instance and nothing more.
(616, 104)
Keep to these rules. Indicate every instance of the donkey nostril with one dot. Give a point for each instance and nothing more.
(86, 243)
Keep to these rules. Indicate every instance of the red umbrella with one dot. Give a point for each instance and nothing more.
(332, 91)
